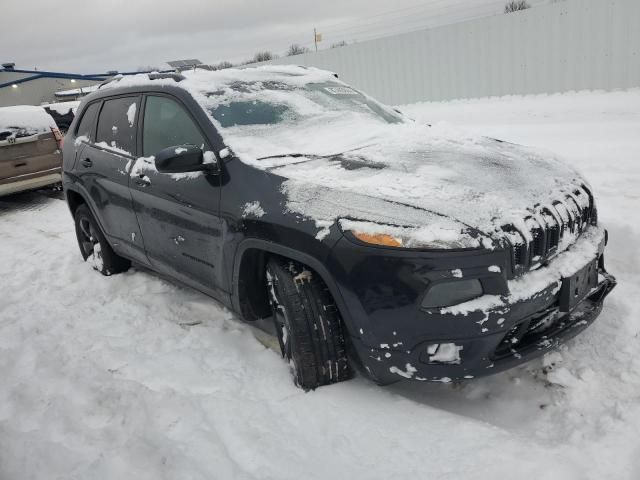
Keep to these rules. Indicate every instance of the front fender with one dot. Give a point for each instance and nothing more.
(296, 255)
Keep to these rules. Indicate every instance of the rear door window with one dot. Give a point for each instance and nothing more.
(167, 124)
(85, 127)
(117, 124)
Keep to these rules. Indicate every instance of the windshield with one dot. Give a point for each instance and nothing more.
(272, 103)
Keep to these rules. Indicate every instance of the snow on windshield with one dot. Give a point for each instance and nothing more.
(273, 103)
(272, 114)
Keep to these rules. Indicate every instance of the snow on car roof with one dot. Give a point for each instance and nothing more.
(205, 80)
(25, 117)
(201, 83)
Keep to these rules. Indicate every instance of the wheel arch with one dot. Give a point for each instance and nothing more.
(75, 198)
(252, 253)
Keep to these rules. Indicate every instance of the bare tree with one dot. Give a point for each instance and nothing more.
(263, 56)
(222, 65)
(339, 44)
(295, 49)
(515, 5)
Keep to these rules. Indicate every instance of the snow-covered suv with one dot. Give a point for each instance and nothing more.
(408, 250)
(30, 145)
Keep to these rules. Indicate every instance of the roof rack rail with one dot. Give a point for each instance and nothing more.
(116, 78)
(152, 76)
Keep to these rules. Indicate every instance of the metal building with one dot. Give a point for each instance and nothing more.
(34, 87)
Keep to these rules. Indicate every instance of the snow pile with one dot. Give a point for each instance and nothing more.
(113, 147)
(24, 120)
(134, 376)
(253, 209)
(147, 165)
(131, 114)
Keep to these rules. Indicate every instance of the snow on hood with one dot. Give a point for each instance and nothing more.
(359, 159)
(422, 174)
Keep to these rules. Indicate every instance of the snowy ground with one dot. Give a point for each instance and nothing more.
(109, 377)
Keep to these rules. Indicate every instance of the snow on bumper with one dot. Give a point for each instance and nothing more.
(478, 355)
(588, 246)
(494, 333)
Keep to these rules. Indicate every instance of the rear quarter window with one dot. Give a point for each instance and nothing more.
(117, 124)
(85, 127)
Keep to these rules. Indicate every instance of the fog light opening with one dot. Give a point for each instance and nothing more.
(445, 294)
(444, 353)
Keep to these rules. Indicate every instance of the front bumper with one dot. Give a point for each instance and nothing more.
(485, 355)
(393, 336)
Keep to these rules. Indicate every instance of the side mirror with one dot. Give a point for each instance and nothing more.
(180, 159)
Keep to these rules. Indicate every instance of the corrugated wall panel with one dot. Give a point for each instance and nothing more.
(572, 45)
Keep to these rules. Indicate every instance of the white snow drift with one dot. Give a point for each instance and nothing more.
(132, 376)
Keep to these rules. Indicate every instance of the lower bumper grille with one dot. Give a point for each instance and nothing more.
(543, 328)
(526, 332)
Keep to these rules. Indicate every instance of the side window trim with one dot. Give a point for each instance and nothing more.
(140, 133)
(140, 125)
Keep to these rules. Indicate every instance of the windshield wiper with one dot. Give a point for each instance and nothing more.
(313, 155)
(292, 155)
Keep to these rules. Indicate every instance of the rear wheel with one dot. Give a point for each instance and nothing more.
(94, 246)
(308, 324)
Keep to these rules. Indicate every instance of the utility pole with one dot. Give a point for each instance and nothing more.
(315, 38)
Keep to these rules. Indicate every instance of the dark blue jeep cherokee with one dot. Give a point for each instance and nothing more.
(408, 250)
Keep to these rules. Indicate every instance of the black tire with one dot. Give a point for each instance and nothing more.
(308, 324)
(93, 244)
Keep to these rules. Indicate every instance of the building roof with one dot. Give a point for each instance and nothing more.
(77, 91)
(35, 74)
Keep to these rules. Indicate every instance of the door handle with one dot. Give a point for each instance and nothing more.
(143, 181)
(86, 162)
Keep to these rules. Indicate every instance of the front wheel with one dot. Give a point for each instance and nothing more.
(94, 246)
(308, 324)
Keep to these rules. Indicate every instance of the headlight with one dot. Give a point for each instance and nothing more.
(442, 234)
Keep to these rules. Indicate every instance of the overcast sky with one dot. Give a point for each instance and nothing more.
(88, 36)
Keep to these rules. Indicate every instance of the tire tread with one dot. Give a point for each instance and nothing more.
(319, 339)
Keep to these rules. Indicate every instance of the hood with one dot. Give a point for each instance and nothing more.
(479, 183)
